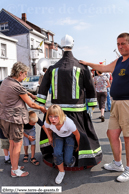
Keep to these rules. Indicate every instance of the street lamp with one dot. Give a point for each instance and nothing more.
(34, 56)
(116, 53)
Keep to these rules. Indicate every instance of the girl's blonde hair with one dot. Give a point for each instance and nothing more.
(17, 68)
(55, 110)
(33, 116)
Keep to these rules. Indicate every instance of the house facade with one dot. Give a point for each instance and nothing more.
(8, 55)
(33, 43)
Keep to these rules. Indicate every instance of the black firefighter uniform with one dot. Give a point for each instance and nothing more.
(71, 83)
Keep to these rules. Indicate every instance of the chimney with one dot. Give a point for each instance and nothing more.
(24, 17)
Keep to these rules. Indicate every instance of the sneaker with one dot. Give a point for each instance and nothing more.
(7, 161)
(123, 177)
(59, 177)
(102, 119)
(112, 166)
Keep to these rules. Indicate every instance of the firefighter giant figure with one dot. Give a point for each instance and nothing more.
(71, 84)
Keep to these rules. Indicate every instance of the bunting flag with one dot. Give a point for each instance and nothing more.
(41, 43)
(102, 62)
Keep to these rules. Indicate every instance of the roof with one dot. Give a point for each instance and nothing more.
(19, 20)
(30, 26)
(47, 31)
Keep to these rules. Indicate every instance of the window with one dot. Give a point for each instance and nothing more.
(50, 37)
(3, 50)
(3, 72)
(32, 43)
(44, 33)
(4, 26)
(54, 54)
(46, 52)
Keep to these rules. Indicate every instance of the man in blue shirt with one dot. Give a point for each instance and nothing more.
(119, 116)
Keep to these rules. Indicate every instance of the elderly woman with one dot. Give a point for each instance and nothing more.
(13, 113)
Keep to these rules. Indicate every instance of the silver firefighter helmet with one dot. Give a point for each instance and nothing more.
(67, 41)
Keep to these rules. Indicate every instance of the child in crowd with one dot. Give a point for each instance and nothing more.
(63, 133)
(29, 137)
(5, 147)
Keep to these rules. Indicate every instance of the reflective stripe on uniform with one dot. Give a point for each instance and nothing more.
(44, 143)
(42, 96)
(40, 100)
(75, 84)
(92, 101)
(55, 82)
(53, 86)
(89, 153)
(73, 107)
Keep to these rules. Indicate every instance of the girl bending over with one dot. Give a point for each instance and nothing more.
(63, 133)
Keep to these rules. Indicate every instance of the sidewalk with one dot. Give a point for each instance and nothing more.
(89, 181)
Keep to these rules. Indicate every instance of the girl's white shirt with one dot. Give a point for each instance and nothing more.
(65, 131)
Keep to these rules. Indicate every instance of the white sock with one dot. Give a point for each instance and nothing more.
(7, 157)
(127, 168)
(8, 153)
(62, 172)
(118, 163)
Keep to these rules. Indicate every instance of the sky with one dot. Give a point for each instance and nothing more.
(94, 25)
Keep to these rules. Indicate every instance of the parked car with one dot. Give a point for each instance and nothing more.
(31, 83)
